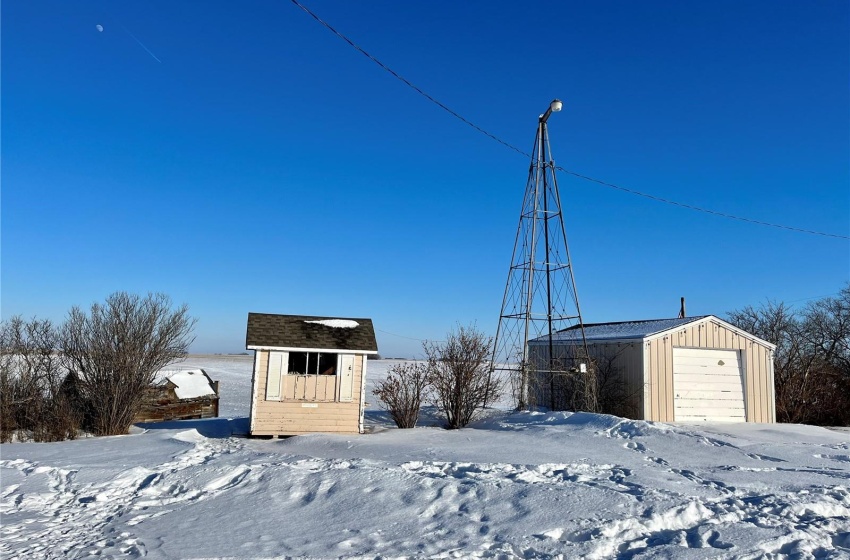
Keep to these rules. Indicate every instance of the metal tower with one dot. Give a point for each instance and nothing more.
(540, 295)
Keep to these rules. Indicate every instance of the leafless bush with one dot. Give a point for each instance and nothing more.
(812, 357)
(403, 391)
(614, 394)
(33, 404)
(562, 388)
(116, 350)
(563, 382)
(458, 371)
(574, 381)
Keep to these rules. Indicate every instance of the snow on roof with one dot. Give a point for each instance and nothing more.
(622, 330)
(336, 323)
(191, 384)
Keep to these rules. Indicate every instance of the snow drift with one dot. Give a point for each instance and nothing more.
(514, 485)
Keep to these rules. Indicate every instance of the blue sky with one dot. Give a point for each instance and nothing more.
(239, 157)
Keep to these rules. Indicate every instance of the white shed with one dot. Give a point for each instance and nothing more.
(681, 370)
(309, 373)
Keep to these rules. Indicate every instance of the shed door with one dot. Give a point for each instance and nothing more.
(346, 377)
(708, 385)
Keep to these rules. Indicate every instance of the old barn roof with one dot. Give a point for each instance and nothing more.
(192, 384)
(266, 330)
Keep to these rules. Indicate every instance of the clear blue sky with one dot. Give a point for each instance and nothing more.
(239, 157)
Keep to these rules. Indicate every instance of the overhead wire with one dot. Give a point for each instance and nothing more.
(409, 337)
(404, 80)
(458, 116)
(699, 209)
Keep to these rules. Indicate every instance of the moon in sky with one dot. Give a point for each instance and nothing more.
(99, 27)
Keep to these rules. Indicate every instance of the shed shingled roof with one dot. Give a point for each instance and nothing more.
(294, 331)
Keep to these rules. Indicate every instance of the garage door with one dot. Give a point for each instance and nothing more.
(708, 385)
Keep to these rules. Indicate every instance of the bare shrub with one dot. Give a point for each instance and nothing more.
(568, 389)
(115, 351)
(32, 402)
(614, 394)
(563, 382)
(574, 381)
(403, 391)
(459, 373)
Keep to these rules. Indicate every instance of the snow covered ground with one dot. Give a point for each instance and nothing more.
(514, 485)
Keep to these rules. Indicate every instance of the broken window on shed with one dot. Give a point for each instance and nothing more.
(312, 363)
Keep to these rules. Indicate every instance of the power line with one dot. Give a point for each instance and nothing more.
(409, 337)
(418, 90)
(698, 209)
(811, 298)
(405, 81)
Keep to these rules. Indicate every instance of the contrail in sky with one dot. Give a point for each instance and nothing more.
(140, 44)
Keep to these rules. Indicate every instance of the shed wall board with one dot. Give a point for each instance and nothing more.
(309, 387)
(254, 378)
(298, 416)
(362, 364)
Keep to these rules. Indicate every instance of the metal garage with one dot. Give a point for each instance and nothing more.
(692, 369)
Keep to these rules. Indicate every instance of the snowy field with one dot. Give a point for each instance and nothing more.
(513, 485)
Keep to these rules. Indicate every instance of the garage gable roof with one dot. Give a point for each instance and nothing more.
(622, 330)
(640, 330)
(267, 330)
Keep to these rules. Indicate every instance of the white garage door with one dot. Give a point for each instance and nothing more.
(708, 385)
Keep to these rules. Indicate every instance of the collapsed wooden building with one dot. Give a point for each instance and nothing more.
(180, 395)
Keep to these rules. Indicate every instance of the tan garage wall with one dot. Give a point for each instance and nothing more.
(756, 358)
(291, 416)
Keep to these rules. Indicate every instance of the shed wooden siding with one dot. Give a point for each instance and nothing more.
(756, 358)
(289, 416)
(309, 387)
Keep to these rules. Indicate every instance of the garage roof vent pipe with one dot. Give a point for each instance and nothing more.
(682, 309)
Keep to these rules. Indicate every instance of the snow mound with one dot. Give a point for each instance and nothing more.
(189, 436)
(336, 323)
(543, 485)
(612, 426)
